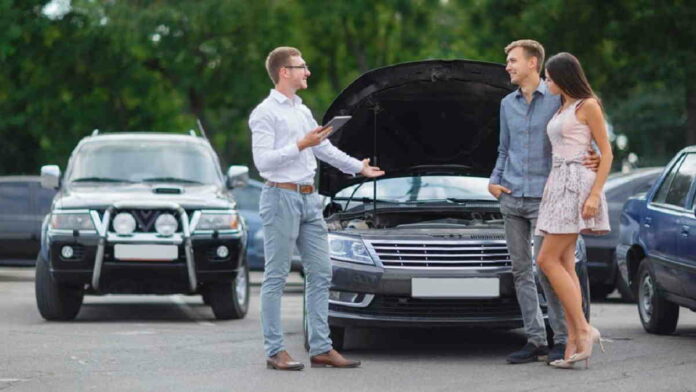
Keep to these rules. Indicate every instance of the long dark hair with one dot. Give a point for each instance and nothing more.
(565, 70)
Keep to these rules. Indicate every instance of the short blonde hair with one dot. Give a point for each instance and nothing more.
(277, 59)
(531, 49)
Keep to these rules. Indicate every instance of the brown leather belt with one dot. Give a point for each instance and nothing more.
(292, 186)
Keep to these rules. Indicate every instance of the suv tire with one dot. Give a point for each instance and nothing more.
(657, 315)
(230, 300)
(56, 302)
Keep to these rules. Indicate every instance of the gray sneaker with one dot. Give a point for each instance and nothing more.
(529, 353)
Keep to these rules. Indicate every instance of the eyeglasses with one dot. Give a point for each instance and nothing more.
(303, 66)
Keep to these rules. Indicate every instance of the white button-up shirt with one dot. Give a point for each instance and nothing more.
(277, 124)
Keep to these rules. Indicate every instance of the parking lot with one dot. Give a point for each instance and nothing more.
(173, 343)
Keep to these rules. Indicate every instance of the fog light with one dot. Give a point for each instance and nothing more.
(67, 252)
(166, 225)
(124, 223)
(222, 252)
(343, 296)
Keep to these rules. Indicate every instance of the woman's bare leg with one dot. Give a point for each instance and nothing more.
(568, 263)
(554, 250)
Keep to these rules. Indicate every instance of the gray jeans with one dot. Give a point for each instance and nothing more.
(520, 216)
(289, 219)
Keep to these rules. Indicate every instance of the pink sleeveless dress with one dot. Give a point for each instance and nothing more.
(569, 183)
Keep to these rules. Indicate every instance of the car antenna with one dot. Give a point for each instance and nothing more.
(200, 127)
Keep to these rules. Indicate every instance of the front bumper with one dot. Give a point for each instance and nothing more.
(95, 266)
(385, 299)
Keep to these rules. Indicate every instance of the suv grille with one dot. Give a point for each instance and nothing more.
(145, 219)
(475, 255)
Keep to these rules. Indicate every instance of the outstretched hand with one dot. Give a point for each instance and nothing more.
(370, 171)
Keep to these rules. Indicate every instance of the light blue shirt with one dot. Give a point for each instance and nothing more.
(524, 153)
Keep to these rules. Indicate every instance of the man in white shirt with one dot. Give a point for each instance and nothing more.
(286, 141)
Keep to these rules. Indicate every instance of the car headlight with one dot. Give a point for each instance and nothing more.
(218, 221)
(349, 249)
(166, 225)
(71, 221)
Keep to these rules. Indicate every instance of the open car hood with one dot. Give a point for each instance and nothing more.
(425, 117)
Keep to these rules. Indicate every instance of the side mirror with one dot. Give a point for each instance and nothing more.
(237, 176)
(50, 176)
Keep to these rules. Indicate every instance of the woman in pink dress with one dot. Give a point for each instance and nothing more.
(573, 201)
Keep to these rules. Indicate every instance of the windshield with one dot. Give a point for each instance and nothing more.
(144, 160)
(419, 189)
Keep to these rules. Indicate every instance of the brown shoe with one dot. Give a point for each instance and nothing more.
(283, 361)
(332, 359)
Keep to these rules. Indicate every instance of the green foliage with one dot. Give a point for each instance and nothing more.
(154, 65)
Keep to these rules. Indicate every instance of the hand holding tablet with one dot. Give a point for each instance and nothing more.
(336, 123)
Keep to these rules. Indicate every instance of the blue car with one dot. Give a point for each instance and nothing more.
(247, 198)
(656, 254)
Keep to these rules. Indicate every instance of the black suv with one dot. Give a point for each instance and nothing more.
(423, 245)
(142, 213)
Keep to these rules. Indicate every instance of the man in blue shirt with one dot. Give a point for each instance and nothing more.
(518, 179)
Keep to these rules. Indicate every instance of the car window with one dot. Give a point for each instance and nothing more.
(681, 183)
(661, 194)
(137, 160)
(14, 198)
(420, 188)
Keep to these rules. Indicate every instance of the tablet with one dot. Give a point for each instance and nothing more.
(337, 123)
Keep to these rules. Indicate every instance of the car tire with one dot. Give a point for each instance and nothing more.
(230, 300)
(338, 337)
(205, 297)
(657, 315)
(55, 301)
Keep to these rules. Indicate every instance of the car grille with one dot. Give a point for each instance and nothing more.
(396, 306)
(474, 255)
(145, 219)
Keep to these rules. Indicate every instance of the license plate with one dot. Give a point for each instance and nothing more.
(146, 252)
(455, 288)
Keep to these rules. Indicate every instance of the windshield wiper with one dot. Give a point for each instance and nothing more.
(370, 200)
(100, 179)
(171, 179)
(459, 200)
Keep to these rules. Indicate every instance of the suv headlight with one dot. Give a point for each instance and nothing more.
(349, 249)
(65, 220)
(218, 221)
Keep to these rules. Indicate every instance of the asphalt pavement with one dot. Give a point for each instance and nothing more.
(173, 343)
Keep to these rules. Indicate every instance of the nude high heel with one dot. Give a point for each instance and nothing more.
(595, 337)
(562, 364)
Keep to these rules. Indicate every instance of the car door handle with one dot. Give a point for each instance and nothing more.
(647, 221)
(685, 231)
